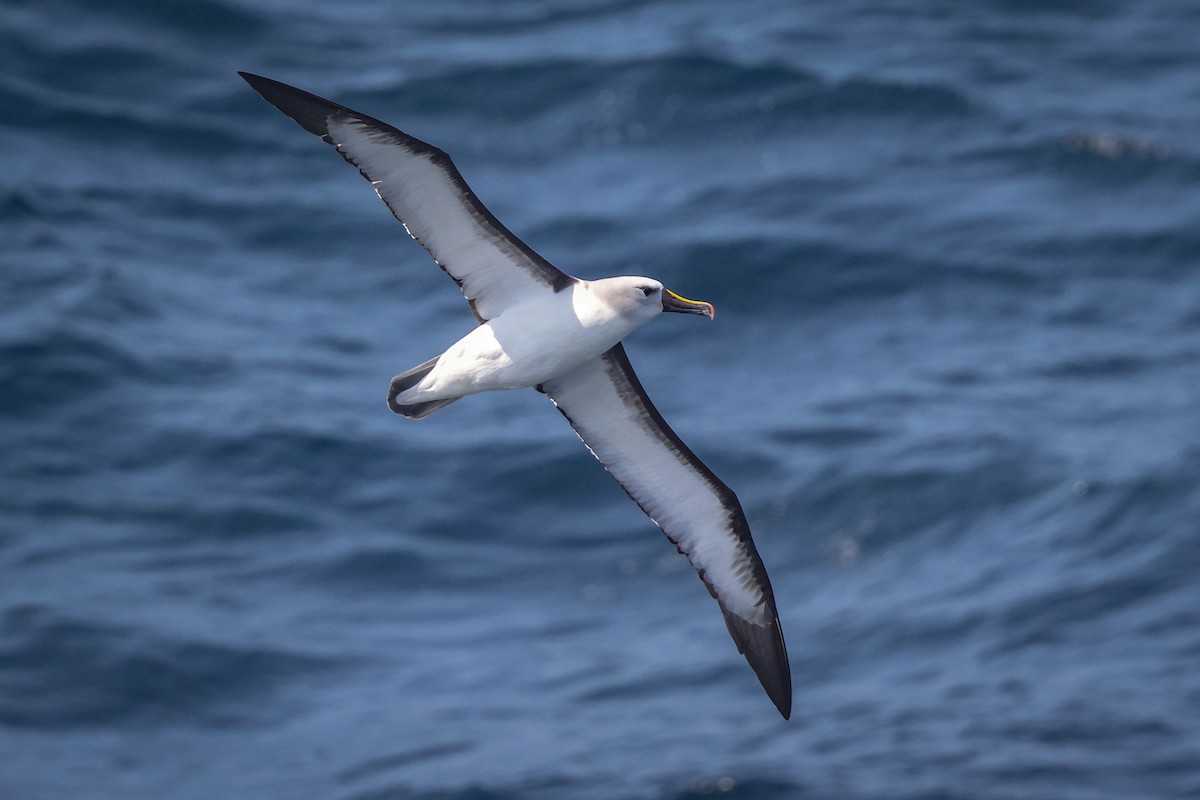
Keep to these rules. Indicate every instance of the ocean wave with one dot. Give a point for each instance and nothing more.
(198, 17)
(730, 788)
(942, 491)
(158, 130)
(18, 205)
(677, 95)
(1096, 157)
(525, 18)
(828, 436)
(68, 365)
(373, 767)
(59, 672)
(369, 571)
(725, 787)
(1158, 252)
(1100, 367)
(784, 275)
(61, 367)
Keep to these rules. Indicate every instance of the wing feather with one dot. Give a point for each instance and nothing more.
(425, 191)
(607, 406)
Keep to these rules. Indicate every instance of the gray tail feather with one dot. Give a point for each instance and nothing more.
(408, 379)
(420, 410)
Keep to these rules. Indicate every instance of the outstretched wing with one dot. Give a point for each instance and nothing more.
(425, 191)
(605, 403)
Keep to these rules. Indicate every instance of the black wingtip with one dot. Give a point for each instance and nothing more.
(774, 674)
(308, 110)
(764, 648)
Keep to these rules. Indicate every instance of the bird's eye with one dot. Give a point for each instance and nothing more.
(647, 291)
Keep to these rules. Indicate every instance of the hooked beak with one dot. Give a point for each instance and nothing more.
(673, 302)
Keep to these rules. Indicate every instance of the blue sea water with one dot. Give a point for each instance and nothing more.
(954, 378)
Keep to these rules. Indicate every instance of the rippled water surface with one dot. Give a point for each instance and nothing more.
(955, 379)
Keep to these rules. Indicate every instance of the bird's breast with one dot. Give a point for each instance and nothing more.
(535, 342)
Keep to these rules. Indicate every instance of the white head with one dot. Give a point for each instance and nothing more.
(642, 299)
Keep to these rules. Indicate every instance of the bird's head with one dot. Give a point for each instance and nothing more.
(644, 298)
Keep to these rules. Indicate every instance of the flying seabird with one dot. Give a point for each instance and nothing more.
(562, 335)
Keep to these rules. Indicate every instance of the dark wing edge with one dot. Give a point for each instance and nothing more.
(312, 113)
(762, 645)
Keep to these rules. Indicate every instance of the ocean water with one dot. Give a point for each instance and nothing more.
(954, 378)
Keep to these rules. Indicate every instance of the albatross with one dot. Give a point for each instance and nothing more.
(540, 327)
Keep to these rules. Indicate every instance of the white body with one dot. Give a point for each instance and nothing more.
(546, 337)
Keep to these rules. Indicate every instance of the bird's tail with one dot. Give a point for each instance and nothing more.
(408, 379)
